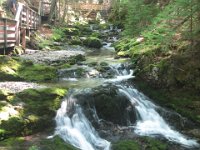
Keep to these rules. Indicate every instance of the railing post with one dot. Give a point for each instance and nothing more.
(5, 35)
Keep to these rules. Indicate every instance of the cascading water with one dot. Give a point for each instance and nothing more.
(77, 130)
(149, 122)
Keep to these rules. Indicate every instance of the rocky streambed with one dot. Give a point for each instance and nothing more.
(83, 98)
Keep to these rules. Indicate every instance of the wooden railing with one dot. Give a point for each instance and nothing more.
(29, 18)
(7, 33)
(45, 7)
(13, 32)
(26, 17)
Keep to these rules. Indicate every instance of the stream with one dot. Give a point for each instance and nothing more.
(75, 127)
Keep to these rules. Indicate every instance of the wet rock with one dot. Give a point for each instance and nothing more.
(92, 42)
(195, 133)
(109, 104)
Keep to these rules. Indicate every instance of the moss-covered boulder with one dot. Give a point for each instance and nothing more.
(126, 145)
(39, 143)
(75, 41)
(37, 108)
(37, 72)
(3, 94)
(71, 31)
(55, 143)
(8, 68)
(92, 42)
(16, 69)
(110, 105)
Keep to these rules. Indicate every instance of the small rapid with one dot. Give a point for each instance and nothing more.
(76, 129)
(73, 126)
(149, 122)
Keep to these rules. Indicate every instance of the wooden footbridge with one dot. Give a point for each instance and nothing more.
(84, 8)
(14, 31)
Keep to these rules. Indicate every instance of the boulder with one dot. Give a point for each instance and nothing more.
(93, 42)
(109, 105)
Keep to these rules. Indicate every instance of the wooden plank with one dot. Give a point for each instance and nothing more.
(8, 24)
(9, 32)
(8, 28)
(8, 35)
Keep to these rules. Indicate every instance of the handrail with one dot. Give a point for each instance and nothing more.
(14, 31)
(44, 9)
(7, 33)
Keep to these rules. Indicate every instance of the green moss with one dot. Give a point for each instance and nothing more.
(37, 72)
(153, 144)
(93, 42)
(41, 101)
(75, 59)
(64, 66)
(75, 41)
(13, 142)
(72, 31)
(12, 69)
(96, 34)
(39, 109)
(56, 143)
(104, 64)
(3, 94)
(13, 126)
(125, 145)
(8, 68)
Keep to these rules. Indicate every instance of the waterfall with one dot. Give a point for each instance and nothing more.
(149, 122)
(76, 129)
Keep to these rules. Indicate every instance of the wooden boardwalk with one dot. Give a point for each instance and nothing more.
(81, 7)
(13, 32)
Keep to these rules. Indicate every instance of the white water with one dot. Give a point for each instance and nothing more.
(77, 130)
(149, 122)
(120, 78)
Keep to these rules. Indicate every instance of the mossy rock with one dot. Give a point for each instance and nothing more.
(3, 94)
(37, 72)
(75, 59)
(154, 144)
(41, 101)
(125, 145)
(55, 143)
(37, 113)
(16, 69)
(14, 126)
(92, 42)
(72, 31)
(104, 64)
(8, 68)
(75, 41)
(92, 64)
(15, 143)
(96, 34)
(104, 26)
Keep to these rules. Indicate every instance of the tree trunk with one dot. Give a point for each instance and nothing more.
(65, 11)
(52, 10)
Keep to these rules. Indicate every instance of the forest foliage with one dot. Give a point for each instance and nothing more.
(162, 23)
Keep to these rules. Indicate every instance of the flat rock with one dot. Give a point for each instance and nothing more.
(16, 87)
